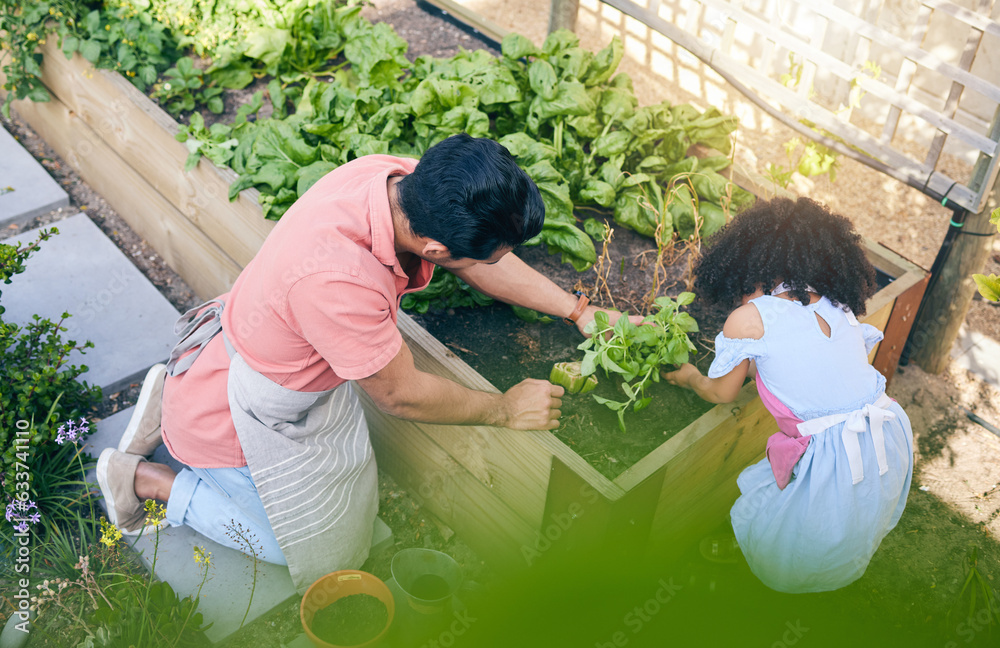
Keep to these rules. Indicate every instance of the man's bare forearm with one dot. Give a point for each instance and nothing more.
(513, 281)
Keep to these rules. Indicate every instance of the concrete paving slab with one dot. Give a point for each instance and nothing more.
(225, 596)
(112, 304)
(26, 188)
(982, 359)
(965, 340)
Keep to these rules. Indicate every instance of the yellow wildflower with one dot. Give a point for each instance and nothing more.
(52, 11)
(32, 36)
(110, 535)
(154, 512)
(107, 28)
(202, 556)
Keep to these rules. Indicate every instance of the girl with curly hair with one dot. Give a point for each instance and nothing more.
(835, 478)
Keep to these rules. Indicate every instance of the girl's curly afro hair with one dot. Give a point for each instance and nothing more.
(799, 242)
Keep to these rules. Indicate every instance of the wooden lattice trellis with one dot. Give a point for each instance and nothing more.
(870, 31)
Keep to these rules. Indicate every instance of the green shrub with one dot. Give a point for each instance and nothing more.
(38, 388)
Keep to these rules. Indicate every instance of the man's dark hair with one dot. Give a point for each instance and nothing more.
(468, 194)
(799, 242)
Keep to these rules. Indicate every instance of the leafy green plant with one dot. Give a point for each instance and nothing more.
(120, 36)
(136, 610)
(184, 88)
(298, 44)
(447, 291)
(635, 353)
(114, 602)
(23, 28)
(208, 26)
(39, 385)
(571, 123)
(810, 159)
(115, 34)
(977, 601)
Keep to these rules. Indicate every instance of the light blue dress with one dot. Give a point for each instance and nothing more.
(820, 531)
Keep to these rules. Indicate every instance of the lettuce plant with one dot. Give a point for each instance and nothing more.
(636, 352)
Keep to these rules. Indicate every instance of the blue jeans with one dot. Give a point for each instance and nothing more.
(222, 504)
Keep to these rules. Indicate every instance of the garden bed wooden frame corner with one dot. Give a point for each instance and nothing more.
(509, 495)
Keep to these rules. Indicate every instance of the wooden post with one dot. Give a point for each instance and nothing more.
(950, 295)
(563, 15)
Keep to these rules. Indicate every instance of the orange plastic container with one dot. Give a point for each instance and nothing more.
(338, 585)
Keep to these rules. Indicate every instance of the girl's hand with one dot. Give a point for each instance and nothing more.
(588, 316)
(683, 377)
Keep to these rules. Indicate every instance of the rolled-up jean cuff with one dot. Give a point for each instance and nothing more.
(180, 496)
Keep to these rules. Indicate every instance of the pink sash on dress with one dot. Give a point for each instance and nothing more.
(784, 448)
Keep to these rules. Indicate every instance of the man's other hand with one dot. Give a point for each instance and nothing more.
(532, 404)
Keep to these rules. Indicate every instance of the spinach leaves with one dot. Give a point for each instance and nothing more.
(636, 352)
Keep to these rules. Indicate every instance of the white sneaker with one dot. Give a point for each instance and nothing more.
(142, 435)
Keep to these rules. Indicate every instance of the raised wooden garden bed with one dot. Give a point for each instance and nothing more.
(506, 493)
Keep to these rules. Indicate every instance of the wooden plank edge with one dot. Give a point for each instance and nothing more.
(450, 492)
(691, 505)
(890, 293)
(474, 20)
(719, 417)
(126, 118)
(545, 444)
(195, 257)
(897, 330)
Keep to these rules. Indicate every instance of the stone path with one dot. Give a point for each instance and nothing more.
(979, 354)
(81, 271)
(26, 188)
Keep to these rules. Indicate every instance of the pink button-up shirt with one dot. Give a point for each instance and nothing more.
(316, 307)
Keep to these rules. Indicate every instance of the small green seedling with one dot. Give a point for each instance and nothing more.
(636, 352)
(569, 376)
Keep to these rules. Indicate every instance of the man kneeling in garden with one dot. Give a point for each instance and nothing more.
(272, 434)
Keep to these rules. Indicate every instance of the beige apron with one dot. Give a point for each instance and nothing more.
(308, 454)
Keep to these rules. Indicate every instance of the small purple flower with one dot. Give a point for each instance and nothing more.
(70, 431)
(22, 527)
(35, 518)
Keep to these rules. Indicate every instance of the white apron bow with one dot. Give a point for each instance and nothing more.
(877, 412)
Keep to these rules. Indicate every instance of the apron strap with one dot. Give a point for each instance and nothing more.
(854, 424)
(195, 328)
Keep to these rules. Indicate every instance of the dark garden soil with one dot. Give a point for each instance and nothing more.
(505, 349)
(350, 621)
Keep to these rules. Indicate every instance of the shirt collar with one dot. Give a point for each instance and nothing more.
(382, 232)
(383, 235)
